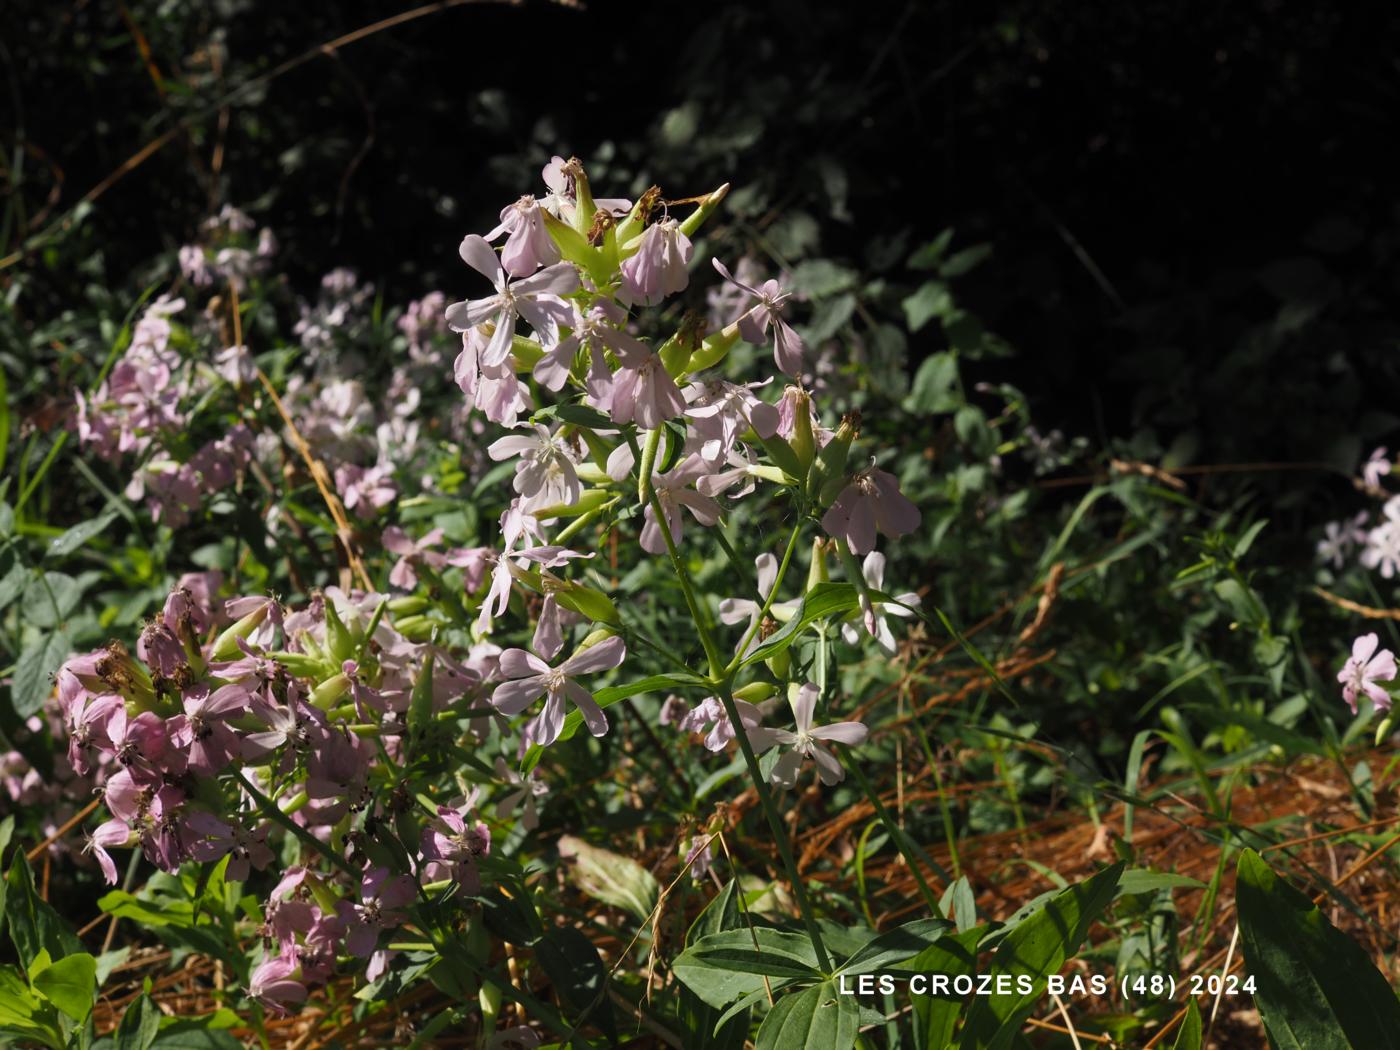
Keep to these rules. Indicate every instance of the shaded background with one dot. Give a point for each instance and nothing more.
(1194, 227)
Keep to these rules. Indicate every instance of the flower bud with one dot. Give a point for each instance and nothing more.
(829, 470)
(1384, 730)
(226, 645)
(340, 643)
(755, 692)
(780, 664)
(408, 605)
(596, 605)
(803, 441)
(416, 628)
(714, 349)
(302, 665)
(600, 634)
(817, 571)
(589, 500)
(329, 691)
(696, 219)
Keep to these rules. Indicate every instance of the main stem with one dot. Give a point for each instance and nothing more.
(775, 822)
(726, 697)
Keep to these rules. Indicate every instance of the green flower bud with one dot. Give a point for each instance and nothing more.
(696, 219)
(829, 470)
(755, 692)
(339, 641)
(226, 645)
(409, 605)
(329, 691)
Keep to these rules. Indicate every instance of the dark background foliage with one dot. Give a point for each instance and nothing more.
(1194, 227)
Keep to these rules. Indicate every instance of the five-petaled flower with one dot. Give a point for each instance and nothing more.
(532, 678)
(805, 742)
(1364, 670)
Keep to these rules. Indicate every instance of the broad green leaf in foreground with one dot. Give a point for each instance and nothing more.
(1316, 988)
(815, 1017)
(1037, 947)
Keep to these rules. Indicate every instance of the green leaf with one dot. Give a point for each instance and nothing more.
(49, 599)
(895, 946)
(704, 1025)
(34, 925)
(37, 663)
(70, 984)
(577, 973)
(584, 416)
(78, 535)
(1038, 947)
(611, 877)
(816, 1017)
(723, 966)
(1140, 880)
(1189, 1038)
(1317, 989)
(825, 599)
(930, 301)
(953, 955)
(935, 386)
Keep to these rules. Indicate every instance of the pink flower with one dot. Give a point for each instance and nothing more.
(533, 678)
(113, 833)
(494, 389)
(277, 981)
(870, 501)
(529, 245)
(411, 553)
(1365, 668)
(545, 475)
(672, 493)
(211, 839)
(721, 412)
(643, 392)
(594, 330)
(1375, 469)
(365, 491)
(788, 348)
(380, 899)
(527, 790)
(658, 267)
(875, 622)
(536, 299)
(711, 710)
(451, 844)
(202, 729)
(804, 742)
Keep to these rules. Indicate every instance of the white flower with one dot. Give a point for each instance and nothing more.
(873, 569)
(545, 475)
(734, 610)
(804, 742)
(533, 678)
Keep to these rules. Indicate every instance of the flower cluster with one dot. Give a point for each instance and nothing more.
(392, 737)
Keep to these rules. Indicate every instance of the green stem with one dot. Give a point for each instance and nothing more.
(775, 824)
(895, 832)
(767, 600)
(274, 813)
(696, 612)
(949, 832)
